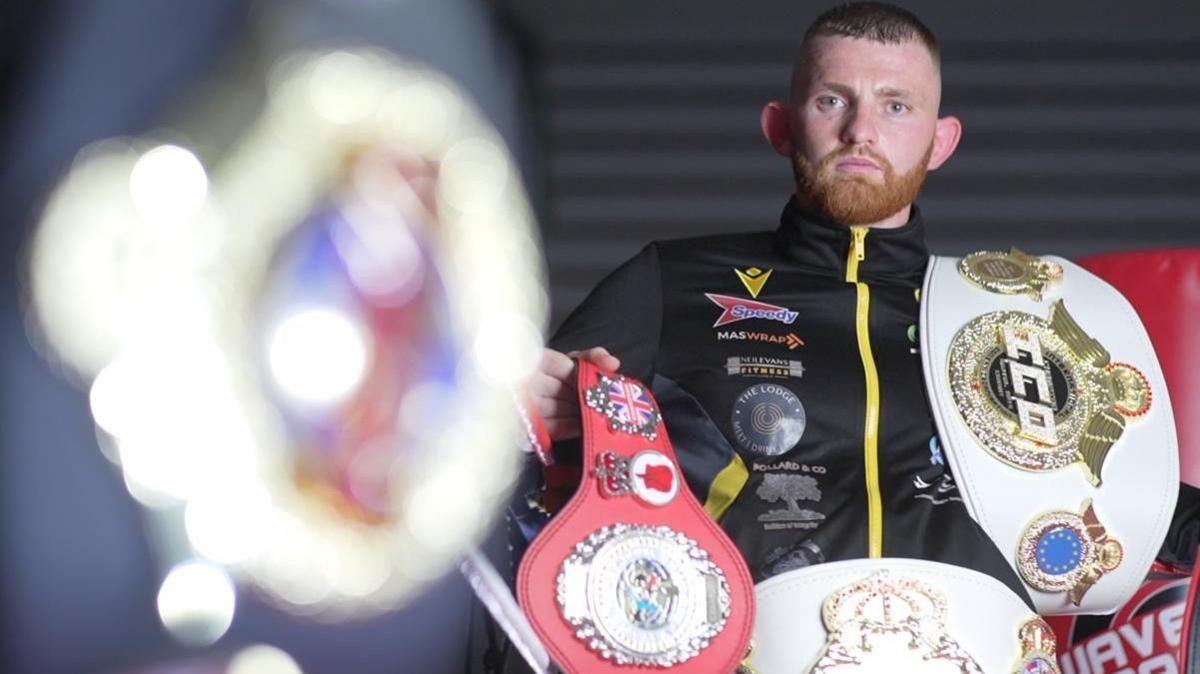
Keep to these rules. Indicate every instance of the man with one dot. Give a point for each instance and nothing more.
(786, 362)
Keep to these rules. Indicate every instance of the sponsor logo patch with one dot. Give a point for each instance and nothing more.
(761, 366)
(785, 465)
(768, 419)
(936, 484)
(805, 554)
(754, 279)
(790, 340)
(940, 491)
(789, 489)
(740, 309)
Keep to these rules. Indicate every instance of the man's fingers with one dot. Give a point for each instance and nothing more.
(542, 385)
(598, 355)
(551, 408)
(563, 429)
(557, 365)
(552, 389)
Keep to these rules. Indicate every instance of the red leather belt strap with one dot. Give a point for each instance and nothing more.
(632, 561)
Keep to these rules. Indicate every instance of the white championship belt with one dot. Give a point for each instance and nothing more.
(1053, 412)
(895, 615)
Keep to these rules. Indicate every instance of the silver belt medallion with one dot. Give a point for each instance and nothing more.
(643, 595)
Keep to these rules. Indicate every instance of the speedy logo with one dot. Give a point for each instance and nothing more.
(740, 309)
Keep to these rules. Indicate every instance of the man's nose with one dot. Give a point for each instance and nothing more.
(859, 126)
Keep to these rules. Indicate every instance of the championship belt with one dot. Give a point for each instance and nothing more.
(895, 615)
(1189, 647)
(1155, 631)
(632, 574)
(1055, 418)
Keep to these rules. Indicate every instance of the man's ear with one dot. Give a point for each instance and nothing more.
(946, 135)
(776, 127)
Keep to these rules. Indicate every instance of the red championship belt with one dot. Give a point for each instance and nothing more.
(536, 438)
(1189, 646)
(632, 574)
(1155, 631)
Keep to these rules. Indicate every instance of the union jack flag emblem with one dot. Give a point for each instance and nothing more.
(626, 405)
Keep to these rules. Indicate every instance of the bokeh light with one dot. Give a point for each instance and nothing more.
(508, 348)
(318, 356)
(297, 350)
(474, 174)
(168, 184)
(196, 602)
(263, 659)
(343, 88)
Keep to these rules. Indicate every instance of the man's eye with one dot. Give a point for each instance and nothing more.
(829, 101)
(897, 108)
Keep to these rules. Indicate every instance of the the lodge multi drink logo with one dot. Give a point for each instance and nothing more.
(768, 419)
(739, 309)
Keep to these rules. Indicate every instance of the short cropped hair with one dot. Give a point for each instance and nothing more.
(874, 21)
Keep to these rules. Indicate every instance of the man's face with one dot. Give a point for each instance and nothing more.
(862, 120)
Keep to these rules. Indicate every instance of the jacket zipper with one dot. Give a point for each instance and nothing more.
(858, 253)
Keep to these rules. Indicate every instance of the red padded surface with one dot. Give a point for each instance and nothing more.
(1142, 636)
(1164, 287)
(1190, 641)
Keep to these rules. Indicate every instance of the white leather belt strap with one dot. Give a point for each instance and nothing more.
(1054, 415)
(894, 615)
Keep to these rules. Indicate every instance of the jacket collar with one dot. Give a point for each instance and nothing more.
(893, 256)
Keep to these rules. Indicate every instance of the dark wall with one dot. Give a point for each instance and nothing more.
(1082, 125)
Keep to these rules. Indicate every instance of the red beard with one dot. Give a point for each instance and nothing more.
(853, 199)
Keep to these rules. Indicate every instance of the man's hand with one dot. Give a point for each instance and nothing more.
(553, 388)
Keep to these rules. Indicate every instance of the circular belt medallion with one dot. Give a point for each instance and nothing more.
(1038, 648)
(652, 477)
(643, 595)
(1130, 390)
(626, 405)
(768, 419)
(1010, 273)
(1040, 394)
(649, 475)
(1039, 665)
(1067, 552)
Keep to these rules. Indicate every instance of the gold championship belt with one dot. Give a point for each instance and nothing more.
(1016, 376)
(895, 615)
(1053, 411)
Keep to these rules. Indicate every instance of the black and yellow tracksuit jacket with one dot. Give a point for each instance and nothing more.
(788, 368)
